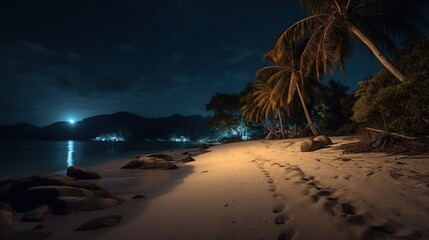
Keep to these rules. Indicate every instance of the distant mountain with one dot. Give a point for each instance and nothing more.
(129, 125)
(20, 131)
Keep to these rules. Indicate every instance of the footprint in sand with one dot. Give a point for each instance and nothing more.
(279, 208)
(278, 195)
(332, 205)
(320, 193)
(356, 220)
(272, 188)
(281, 219)
(389, 230)
(348, 208)
(312, 183)
(287, 235)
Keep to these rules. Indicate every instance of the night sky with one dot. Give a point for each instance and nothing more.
(77, 58)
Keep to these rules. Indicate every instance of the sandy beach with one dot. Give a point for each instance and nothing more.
(264, 190)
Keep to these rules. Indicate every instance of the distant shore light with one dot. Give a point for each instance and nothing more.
(71, 121)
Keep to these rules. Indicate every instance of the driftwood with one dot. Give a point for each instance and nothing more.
(391, 133)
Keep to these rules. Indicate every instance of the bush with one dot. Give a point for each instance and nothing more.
(405, 105)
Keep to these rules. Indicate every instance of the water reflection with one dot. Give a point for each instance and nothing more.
(111, 148)
(70, 150)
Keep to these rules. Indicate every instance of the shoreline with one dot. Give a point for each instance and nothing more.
(266, 189)
(61, 157)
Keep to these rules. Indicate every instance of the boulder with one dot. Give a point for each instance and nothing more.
(186, 159)
(309, 145)
(27, 193)
(145, 163)
(74, 204)
(46, 193)
(37, 215)
(160, 155)
(81, 173)
(6, 219)
(324, 139)
(65, 200)
(20, 185)
(138, 196)
(6, 216)
(102, 222)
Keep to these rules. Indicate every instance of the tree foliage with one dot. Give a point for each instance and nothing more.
(226, 111)
(331, 113)
(404, 105)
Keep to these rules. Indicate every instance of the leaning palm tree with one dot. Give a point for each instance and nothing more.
(287, 82)
(333, 25)
(252, 113)
(288, 79)
(264, 89)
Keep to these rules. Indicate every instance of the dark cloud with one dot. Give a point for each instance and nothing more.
(26, 61)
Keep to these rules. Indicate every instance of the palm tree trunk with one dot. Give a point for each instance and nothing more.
(287, 128)
(267, 127)
(307, 114)
(281, 123)
(386, 62)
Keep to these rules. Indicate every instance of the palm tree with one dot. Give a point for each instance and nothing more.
(255, 106)
(337, 89)
(251, 112)
(289, 81)
(264, 89)
(334, 24)
(288, 78)
(285, 81)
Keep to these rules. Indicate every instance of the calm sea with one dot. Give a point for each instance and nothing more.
(22, 158)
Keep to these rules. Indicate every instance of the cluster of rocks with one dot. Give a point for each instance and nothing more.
(315, 143)
(39, 196)
(157, 161)
(62, 194)
(81, 174)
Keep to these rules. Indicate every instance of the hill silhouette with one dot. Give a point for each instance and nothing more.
(129, 125)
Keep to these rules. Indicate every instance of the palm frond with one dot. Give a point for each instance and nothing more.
(266, 73)
(311, 59)
(277, 93)
(292, 88)
(294, 34)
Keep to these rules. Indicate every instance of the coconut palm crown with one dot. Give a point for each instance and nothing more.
(333, 25)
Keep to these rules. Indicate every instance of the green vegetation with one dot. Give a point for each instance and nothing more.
(403, 105)
(227, 119)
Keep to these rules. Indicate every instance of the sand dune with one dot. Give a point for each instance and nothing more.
(267, 190)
